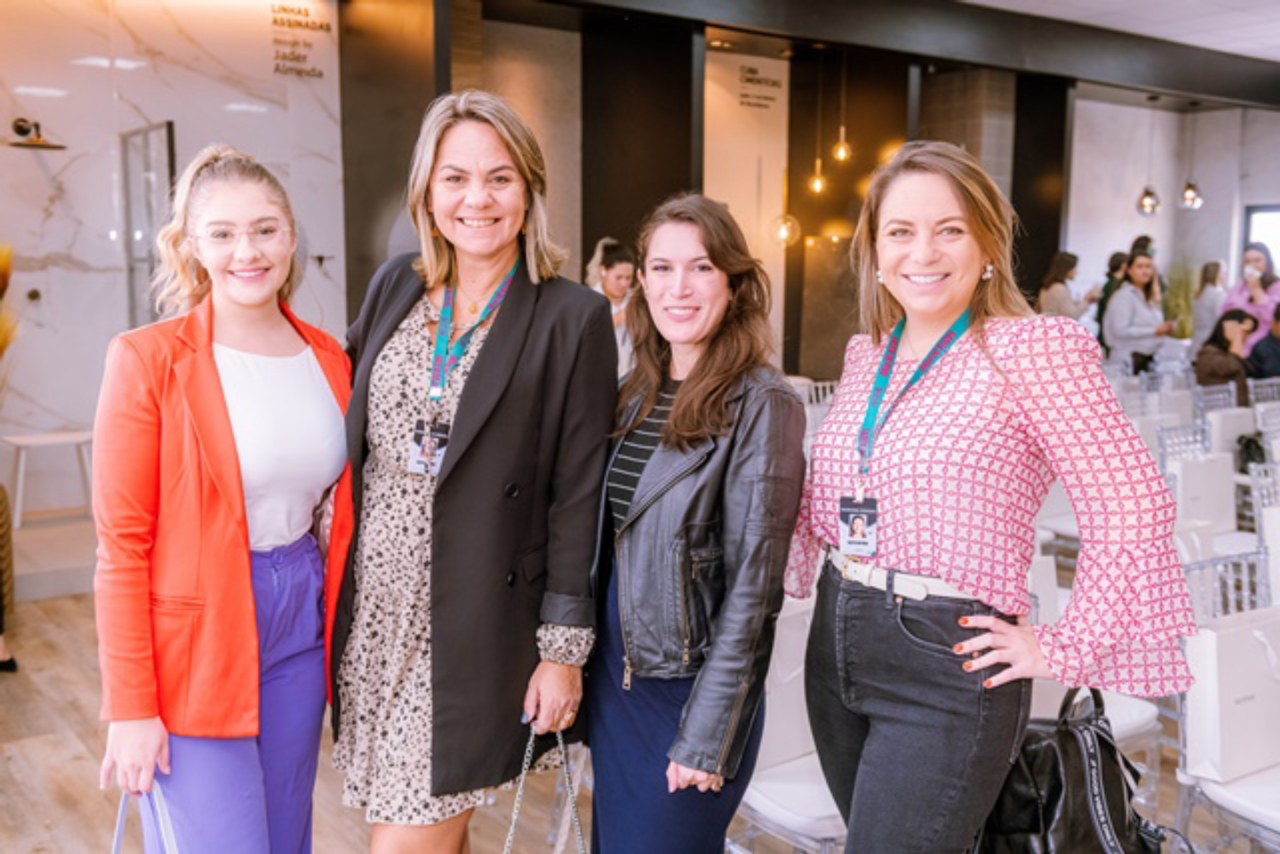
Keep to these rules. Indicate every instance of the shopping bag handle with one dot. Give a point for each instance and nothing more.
(153, 801)
(1268, 650)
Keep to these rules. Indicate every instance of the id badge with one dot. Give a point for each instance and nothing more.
(858, 528)
(419, 458)
(437, 442)
(426, 449)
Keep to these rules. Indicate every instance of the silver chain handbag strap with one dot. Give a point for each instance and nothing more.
(571, 794)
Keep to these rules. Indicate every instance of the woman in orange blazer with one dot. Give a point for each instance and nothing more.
(218, 435)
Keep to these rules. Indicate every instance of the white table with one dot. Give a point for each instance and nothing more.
(77, 439)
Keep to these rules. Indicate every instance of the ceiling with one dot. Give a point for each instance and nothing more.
(1242, 27)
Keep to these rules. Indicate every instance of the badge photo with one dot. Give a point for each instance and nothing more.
(858, 528)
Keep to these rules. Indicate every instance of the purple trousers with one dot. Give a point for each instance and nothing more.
(253, 795)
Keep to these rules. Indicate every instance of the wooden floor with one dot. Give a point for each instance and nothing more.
(51, 743)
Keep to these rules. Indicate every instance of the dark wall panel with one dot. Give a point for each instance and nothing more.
(1041, 141)
(394, 58)
(821, 299)
(641, 120)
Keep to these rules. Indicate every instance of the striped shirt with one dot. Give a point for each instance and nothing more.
(634, 453)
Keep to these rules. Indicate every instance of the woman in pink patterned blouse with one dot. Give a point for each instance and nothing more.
(953, 417)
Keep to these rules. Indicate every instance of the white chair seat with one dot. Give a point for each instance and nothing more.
(794, 795)
(1255, 798)
(1129, 716)
(1234, 543)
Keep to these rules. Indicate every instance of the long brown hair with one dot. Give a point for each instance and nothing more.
(1060, 266)
(739, 343)
(988, 213)
(1209, 274)
(180, 280)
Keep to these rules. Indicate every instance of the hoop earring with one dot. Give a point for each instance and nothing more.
(989, 272)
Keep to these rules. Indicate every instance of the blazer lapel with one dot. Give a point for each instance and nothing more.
(493, 368)
(197, 375)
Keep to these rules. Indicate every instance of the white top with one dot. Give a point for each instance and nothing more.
(289, 437)
(1204, 314)
(1130, 323)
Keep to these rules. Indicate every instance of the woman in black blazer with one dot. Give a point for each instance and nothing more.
(483, 398)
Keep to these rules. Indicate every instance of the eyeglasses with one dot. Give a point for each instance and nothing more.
(260, 236)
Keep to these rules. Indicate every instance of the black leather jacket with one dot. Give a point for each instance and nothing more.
(700, 560)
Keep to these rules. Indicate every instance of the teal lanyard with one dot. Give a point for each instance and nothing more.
(874, 421)
(446, 356)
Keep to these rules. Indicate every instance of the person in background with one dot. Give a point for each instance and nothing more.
(218, 434)
(1146, 243)
(1258, 291)
(1117, 264)
(700, 500)
(1207, 303)
(613, 266)
(1222, 360)
(1135, 319)
(921, 655)
(8, 664)
(1264, 357)
(1055, 293)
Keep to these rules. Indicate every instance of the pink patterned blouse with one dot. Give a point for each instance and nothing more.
(960, 471)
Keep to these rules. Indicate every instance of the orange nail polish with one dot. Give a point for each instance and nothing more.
(986, 684)
(968, 665)
(964, 621)
(958, 648)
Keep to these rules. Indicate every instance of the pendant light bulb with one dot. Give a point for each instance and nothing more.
(817, 183)
(842, 150)
(785, 230)
(1148, 202)
(1191, 198)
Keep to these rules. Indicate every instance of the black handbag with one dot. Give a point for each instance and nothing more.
(1249, 449)
(1070, 792)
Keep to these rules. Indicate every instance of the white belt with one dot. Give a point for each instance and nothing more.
(904, 583)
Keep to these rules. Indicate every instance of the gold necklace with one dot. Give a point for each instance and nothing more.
(473, 305)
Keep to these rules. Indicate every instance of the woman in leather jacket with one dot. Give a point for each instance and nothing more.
(702, 491)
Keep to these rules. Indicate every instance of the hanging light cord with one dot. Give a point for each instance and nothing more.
(817, 142)
(844, 79)
(1195, 125)
(1151, 143)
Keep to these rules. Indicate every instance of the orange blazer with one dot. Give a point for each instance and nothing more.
(177, 636)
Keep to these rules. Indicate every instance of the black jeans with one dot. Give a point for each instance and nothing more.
(914, 749)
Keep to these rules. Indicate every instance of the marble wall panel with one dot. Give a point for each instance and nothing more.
(89, 70)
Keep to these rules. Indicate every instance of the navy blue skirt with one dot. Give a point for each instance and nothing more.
(630, 733)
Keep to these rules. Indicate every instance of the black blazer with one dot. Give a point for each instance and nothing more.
(514, 524)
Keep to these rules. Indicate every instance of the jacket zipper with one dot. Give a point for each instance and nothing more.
(733, 725)
(622, 615)
(686, 619)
